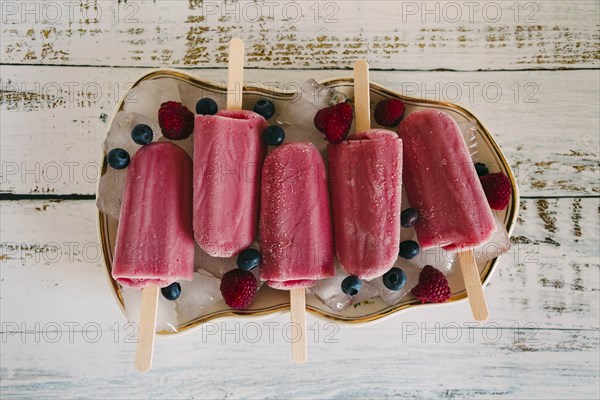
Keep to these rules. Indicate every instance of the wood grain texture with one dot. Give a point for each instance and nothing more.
(298, 318)
(550, 278)
(388, 361)
(472, 280)
(54, 120)
(305, 34)
(145, 346)
(543, 336)
(235, 74)
(362, 96)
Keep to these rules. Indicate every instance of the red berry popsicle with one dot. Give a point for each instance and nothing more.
(155, 243)
(441, 183)
(295, 225)
(228, 155)
(365, 174)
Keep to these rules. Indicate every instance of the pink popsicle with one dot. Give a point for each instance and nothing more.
(441, 183)
(365, 175)
(295, 224)
(155, 243)
(228, 156)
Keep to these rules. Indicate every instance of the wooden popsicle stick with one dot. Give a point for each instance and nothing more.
(362, 96)
(235, 74)
(298, 311)
(472, 280)
(146, 327)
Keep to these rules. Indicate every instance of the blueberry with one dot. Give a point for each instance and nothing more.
(394, 279)
(351, 285)
(273, 135)
(142, 134)
(409, 217)
(248, 259)
(408, 249)
(206, 106)
(481, 169)
(264, 107)
(118, 158)
(171, 292)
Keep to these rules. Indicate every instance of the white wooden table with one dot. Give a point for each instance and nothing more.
(529, 70)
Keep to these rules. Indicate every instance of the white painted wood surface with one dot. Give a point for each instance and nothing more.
(306, 34)
(58, 91)
(59, 116)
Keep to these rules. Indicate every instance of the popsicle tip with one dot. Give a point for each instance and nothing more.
(361, 64)
(236, 43)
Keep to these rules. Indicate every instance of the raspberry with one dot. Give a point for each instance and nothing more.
(238, 288)
(175, 120)
(389, 112)
(497, 189)
(335, 121)
(433, 286)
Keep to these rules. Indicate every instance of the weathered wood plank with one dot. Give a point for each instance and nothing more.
(51, 269)
(238, 361)
(302, 34)
(55, 118)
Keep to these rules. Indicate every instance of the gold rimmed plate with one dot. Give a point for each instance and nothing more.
(268, 300)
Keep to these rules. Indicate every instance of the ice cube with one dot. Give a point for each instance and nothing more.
(498, 244)
(148, 95)
(110, 191)
(166, 317)
(329, 291)
(197, 296)
(190, 95)
(311, 98)
(469, 131)
(119, 134)
(367, 291)
(216, 266)
(298, 114)
(436, 257)
(391, 297)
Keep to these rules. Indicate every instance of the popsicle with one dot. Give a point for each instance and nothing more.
(295, 227)
(228, 156)
(441, 183)
(155, 243)
(365, 175)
